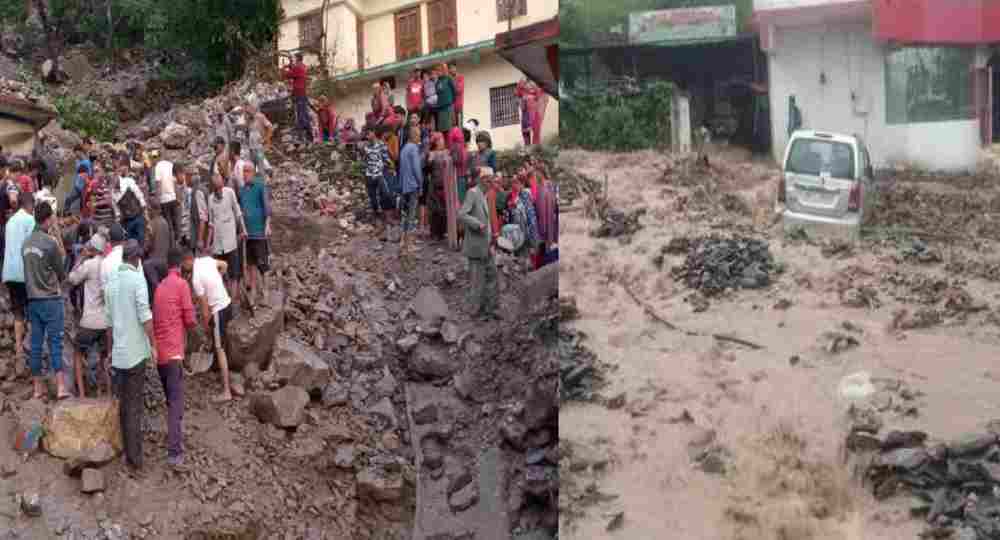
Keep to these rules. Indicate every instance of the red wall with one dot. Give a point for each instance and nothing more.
(937, 21)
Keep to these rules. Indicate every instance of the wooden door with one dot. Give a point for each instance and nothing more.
(408, 34)
(442, 20)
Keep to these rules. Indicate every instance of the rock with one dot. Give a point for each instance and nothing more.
(86, 429)
(344, 458)
(903, 439)
(465, 384)
(29, 426)
(430, 306)
(379, 486)
(201, 362)
(91, 481)
(407, 344)
(449, 332)
(539, 286)
(335, 394)
(384, 409)
(431, 363)
(253, 340)
(176, 136)
(970, 444)
(31, 505)
(296, 364)
(904, 458)
(542, 404)
(47, 67)
(514, 432)
(285, 408)
(464, 498)
(428, 414)
(386, 386)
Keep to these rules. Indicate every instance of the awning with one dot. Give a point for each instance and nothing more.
(669, 43)
(25, 111)
(534, 50)
(409, 64)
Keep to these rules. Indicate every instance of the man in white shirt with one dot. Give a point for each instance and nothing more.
(237, 181)
(91, 336)
(215, 309)
(165, 186)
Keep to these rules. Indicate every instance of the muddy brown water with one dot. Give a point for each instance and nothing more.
(745, 394)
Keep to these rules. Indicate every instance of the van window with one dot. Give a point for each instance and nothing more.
(813, 156)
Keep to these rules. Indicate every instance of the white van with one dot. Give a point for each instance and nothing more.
(827, 184)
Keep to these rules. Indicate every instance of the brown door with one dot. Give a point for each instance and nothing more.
(408, 34)
(442, 19)
(361, 41)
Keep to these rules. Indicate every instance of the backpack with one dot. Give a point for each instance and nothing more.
(129, 204)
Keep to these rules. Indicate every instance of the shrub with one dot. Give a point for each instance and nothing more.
(617, 121)
(86, 117)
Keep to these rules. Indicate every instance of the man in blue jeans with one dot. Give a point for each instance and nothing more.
(44, 273)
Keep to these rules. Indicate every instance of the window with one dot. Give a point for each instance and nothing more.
(928, 84)
(442, 20)
(361, 41)
(311, 31)
(517, 8)
(813, 156)
(504, 106)
(408, 35)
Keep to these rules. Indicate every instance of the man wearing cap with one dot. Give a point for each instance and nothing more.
(44, 272)
(17, 230)
(113, 259)
(126, 308)
(92, 332)
(478, 246)
(298, 78)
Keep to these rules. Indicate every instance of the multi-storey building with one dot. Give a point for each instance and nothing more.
(384, 40)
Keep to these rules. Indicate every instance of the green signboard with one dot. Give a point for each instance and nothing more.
(682, 24)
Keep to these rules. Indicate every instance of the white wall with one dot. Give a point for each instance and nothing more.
(853, 62)
(492, 71)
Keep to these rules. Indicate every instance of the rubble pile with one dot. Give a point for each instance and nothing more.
(22, 91)
(955, 485)
(988, 270)
(581, 373)
(714, 264)
(325, 178)
(617, 223)
(963, 214)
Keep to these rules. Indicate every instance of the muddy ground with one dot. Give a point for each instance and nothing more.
(704, 438)
(253, 480)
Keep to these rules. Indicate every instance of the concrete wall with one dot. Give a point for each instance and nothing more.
(491, 72)
(854, 64)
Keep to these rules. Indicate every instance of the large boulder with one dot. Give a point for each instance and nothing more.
(376, 484)
(297, 364)
(431, 362)
(176, 136)
(252, 339)
(430, 306)
(83, 429)
(285, 408)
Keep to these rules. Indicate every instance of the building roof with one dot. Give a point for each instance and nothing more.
(25, 111)
(417, 62)
(530, 49)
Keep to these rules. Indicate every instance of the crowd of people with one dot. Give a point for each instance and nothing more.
(145, 254)
(146, 249)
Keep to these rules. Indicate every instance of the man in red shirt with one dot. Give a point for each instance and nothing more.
(459, 92)
(173, 313)
(298, 78)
